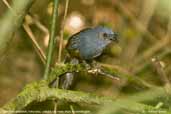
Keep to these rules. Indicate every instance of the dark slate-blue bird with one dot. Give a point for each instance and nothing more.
(90, 43)
(86, 45)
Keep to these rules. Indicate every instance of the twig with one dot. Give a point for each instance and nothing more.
(52, 39)
(62, 69)
(145, 16)
(51, 45)
(35, 44)
(8, 5)
(158, 65)
(119, 68)
(39, 24)
(151, 51)
(157, 46)
(55, 107)
(135, 21)
(72, 109)
(145, 64)
(60, 47)
(39, 51)
(61, 39)
(62, 31)
(125, 74)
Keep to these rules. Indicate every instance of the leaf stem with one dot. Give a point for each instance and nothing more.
(51, 40)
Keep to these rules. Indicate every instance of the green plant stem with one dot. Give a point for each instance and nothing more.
(62, 31)
(52, 39)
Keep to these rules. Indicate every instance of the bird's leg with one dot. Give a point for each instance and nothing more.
(96, 69)
(87, 66)
(66, 81)
(94, 64)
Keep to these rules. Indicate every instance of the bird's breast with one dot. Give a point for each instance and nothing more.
(91, 48)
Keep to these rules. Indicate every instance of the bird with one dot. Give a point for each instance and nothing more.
(90, 43)
(86, 45)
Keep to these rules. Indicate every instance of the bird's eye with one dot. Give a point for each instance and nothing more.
(104, 34)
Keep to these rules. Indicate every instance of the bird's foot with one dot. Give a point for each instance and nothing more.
(97, 70)
(102, 73)
(95, 65)
(94, 71)
(87, 66)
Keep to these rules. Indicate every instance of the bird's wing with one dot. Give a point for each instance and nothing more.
(74, 40)
(89, 47)
(73, 43)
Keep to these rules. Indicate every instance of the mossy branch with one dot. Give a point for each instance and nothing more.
(40, 91)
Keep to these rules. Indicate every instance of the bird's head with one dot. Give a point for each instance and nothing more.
(107, 34)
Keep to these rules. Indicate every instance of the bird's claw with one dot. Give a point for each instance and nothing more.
(97, 71)
(94, 71)
(87, 66)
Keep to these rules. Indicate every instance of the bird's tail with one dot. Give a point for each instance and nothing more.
(67, 79)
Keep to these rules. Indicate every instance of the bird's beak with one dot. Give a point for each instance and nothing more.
(114, 37)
